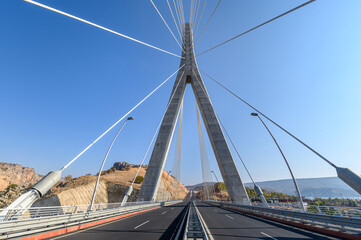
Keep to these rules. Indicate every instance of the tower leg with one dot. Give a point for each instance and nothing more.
(227, 167)
(158, 158)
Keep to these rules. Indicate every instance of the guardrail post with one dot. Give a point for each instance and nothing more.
(76, 207)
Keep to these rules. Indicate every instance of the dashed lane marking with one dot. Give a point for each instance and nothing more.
(142, 224)
(163, 212)
(269, 236)
(229, 217)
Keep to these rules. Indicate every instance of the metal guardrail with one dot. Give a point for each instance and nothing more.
(326, 210)
(329, 221)
(39, 212)
(43, 219)
(354, 212)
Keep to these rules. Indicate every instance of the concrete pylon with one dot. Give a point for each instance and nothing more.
(190, 74)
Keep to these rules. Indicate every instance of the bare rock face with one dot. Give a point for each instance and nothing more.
(123, 165)
(16, 174)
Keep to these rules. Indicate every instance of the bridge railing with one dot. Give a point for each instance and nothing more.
(325, 210)
(41, 219)
(38, 212)
(354, 212)
(324, 216)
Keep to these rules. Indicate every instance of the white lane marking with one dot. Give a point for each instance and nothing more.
(163, 212)
(86, 229)
(142, 224)
(229, 217)
(172, 208)
(204, 223)
(215, 210)
(269, 236)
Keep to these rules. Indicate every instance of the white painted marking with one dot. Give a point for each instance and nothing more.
(204, 224)
(86, 229)
(269, 236)
(163, 212)
(172, 208)
(142, 224)
(229, 217)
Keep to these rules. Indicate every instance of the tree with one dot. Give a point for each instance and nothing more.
(139, 179)
(68, 178)
(12, 186)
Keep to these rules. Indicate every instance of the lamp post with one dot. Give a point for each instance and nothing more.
(164, 185)
(220, 194)
(169, 185)
(105, 158)
(284, 157)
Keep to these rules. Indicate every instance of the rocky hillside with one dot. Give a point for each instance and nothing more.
(78, 191)
(112, 187)
(15, 174)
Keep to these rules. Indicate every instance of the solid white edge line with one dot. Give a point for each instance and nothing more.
(204, 223)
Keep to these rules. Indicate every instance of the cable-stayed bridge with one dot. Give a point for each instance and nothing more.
(153, 218)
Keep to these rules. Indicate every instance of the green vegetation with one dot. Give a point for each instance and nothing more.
(68, 178)
(12, 186)
(345, 202)
(139, 179)
(110, 170)
(220, 187)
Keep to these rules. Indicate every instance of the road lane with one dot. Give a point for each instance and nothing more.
(225, 224)
(154, 224)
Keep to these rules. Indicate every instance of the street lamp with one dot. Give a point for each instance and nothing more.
(169, 185)
(284, 157)
(220, 194)
(165, 180)
(105, 158)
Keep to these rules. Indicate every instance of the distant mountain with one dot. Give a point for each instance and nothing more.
(310, 187)
(199, 185)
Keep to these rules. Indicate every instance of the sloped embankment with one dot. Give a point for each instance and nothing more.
(112, 187)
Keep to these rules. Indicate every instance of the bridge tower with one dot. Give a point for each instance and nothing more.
(189, 74)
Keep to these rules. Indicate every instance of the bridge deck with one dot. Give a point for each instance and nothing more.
(156, 224)
(225, 224)
(222, 224)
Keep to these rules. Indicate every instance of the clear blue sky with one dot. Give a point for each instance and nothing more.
(64, 82)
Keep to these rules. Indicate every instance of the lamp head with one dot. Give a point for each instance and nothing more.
(254, 114)
(130, 118)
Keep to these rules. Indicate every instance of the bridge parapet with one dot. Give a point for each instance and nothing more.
(339, 220)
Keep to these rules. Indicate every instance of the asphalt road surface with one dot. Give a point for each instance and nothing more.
(156, 224)
(225, 225)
